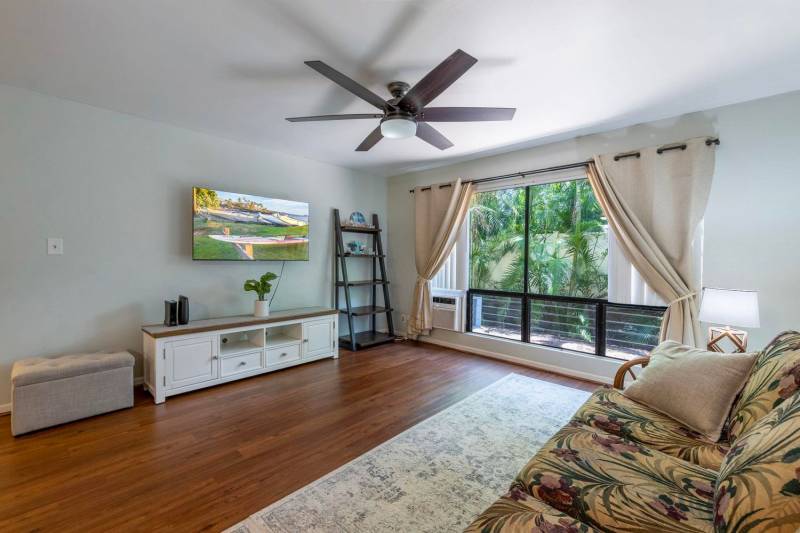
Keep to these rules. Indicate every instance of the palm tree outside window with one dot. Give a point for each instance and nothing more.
(538, 272)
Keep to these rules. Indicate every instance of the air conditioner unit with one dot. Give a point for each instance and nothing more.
(448, 309)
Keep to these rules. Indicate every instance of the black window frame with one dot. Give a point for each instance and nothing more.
(601, 308)
(601, 304)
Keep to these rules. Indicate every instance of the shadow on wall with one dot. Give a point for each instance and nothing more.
(116, 330)
(111, 331)
(648, 134)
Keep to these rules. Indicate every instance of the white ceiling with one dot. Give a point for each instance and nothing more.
(235, 68)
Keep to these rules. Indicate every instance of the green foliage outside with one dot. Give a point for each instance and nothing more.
(568, 240)
(568, 251)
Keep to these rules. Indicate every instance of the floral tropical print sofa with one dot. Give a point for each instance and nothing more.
(621, 466)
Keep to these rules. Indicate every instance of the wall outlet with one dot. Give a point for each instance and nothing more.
(404, 318)
(55, 246)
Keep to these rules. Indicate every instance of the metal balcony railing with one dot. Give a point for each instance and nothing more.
(586, 325)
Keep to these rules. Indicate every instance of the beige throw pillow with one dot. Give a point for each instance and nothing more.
(693, 386)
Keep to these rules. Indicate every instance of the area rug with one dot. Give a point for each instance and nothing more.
(436, 476)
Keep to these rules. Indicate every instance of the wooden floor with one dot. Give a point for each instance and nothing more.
(207, 459)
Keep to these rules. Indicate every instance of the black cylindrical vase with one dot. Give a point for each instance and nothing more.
(183, 310)
(170, 313)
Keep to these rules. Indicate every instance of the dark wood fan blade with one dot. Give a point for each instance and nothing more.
(371, 140)
(348, 83)
(436, 81)
(334, 117)
(465, 114)
(431, 135)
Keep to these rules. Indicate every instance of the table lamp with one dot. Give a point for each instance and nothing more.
(729, 307)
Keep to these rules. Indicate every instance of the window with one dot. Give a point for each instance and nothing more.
(567, 241)
(539, 271)
(497, 247)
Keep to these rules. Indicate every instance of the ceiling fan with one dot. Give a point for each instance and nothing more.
(405, 114)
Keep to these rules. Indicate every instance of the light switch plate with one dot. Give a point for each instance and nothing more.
(55, 246)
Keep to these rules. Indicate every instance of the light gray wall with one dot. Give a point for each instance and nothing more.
(118, 190)
(750, 226)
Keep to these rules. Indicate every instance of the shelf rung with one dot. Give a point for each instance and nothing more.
(359, 229)
(362, 283)
(365, 339)
(366, 310)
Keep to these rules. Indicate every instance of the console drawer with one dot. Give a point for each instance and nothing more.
(240, 363)
(283, 354)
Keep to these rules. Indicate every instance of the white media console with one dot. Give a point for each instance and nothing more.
(204, 353)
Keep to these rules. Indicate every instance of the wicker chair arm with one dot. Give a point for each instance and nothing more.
(627, 366)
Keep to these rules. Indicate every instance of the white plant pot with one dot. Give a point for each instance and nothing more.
(262, 308)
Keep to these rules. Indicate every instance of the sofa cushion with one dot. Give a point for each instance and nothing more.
(519, 512)
(759, 482)
(695, 387)
(41, 369)
(616, 484)
(774, 378)
(608, 410)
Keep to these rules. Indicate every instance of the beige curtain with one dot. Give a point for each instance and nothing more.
(654, 204)
(439, 213)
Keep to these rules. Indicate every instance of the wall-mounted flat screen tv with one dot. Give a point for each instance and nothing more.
(241, 227)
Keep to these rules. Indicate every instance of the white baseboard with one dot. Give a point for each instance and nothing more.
(587, 376)
(138, 381)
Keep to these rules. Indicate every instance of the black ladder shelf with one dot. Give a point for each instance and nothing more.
(363, 339)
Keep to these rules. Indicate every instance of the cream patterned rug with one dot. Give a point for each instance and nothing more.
(436, 476)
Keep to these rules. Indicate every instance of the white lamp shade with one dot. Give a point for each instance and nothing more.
(730, 307)
(398, 128)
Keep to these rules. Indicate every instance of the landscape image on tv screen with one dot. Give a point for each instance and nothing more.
(242, 227)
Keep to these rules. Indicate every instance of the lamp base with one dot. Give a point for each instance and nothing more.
(736, 336)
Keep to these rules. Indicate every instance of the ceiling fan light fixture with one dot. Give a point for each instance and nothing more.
(398, 128)
(400, 114)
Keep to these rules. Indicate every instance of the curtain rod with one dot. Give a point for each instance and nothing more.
(636, 154)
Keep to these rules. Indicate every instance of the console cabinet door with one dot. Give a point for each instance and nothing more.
(191, 361)
(317, 338)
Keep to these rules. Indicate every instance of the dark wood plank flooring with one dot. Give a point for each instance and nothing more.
(207, 459)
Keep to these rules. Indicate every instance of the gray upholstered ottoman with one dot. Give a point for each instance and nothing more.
(50, 391)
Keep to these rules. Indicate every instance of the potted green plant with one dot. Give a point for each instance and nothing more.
(261, 287)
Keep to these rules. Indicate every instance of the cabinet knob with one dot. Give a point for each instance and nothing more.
(214, 358)
(305, 340)
(242, 363)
